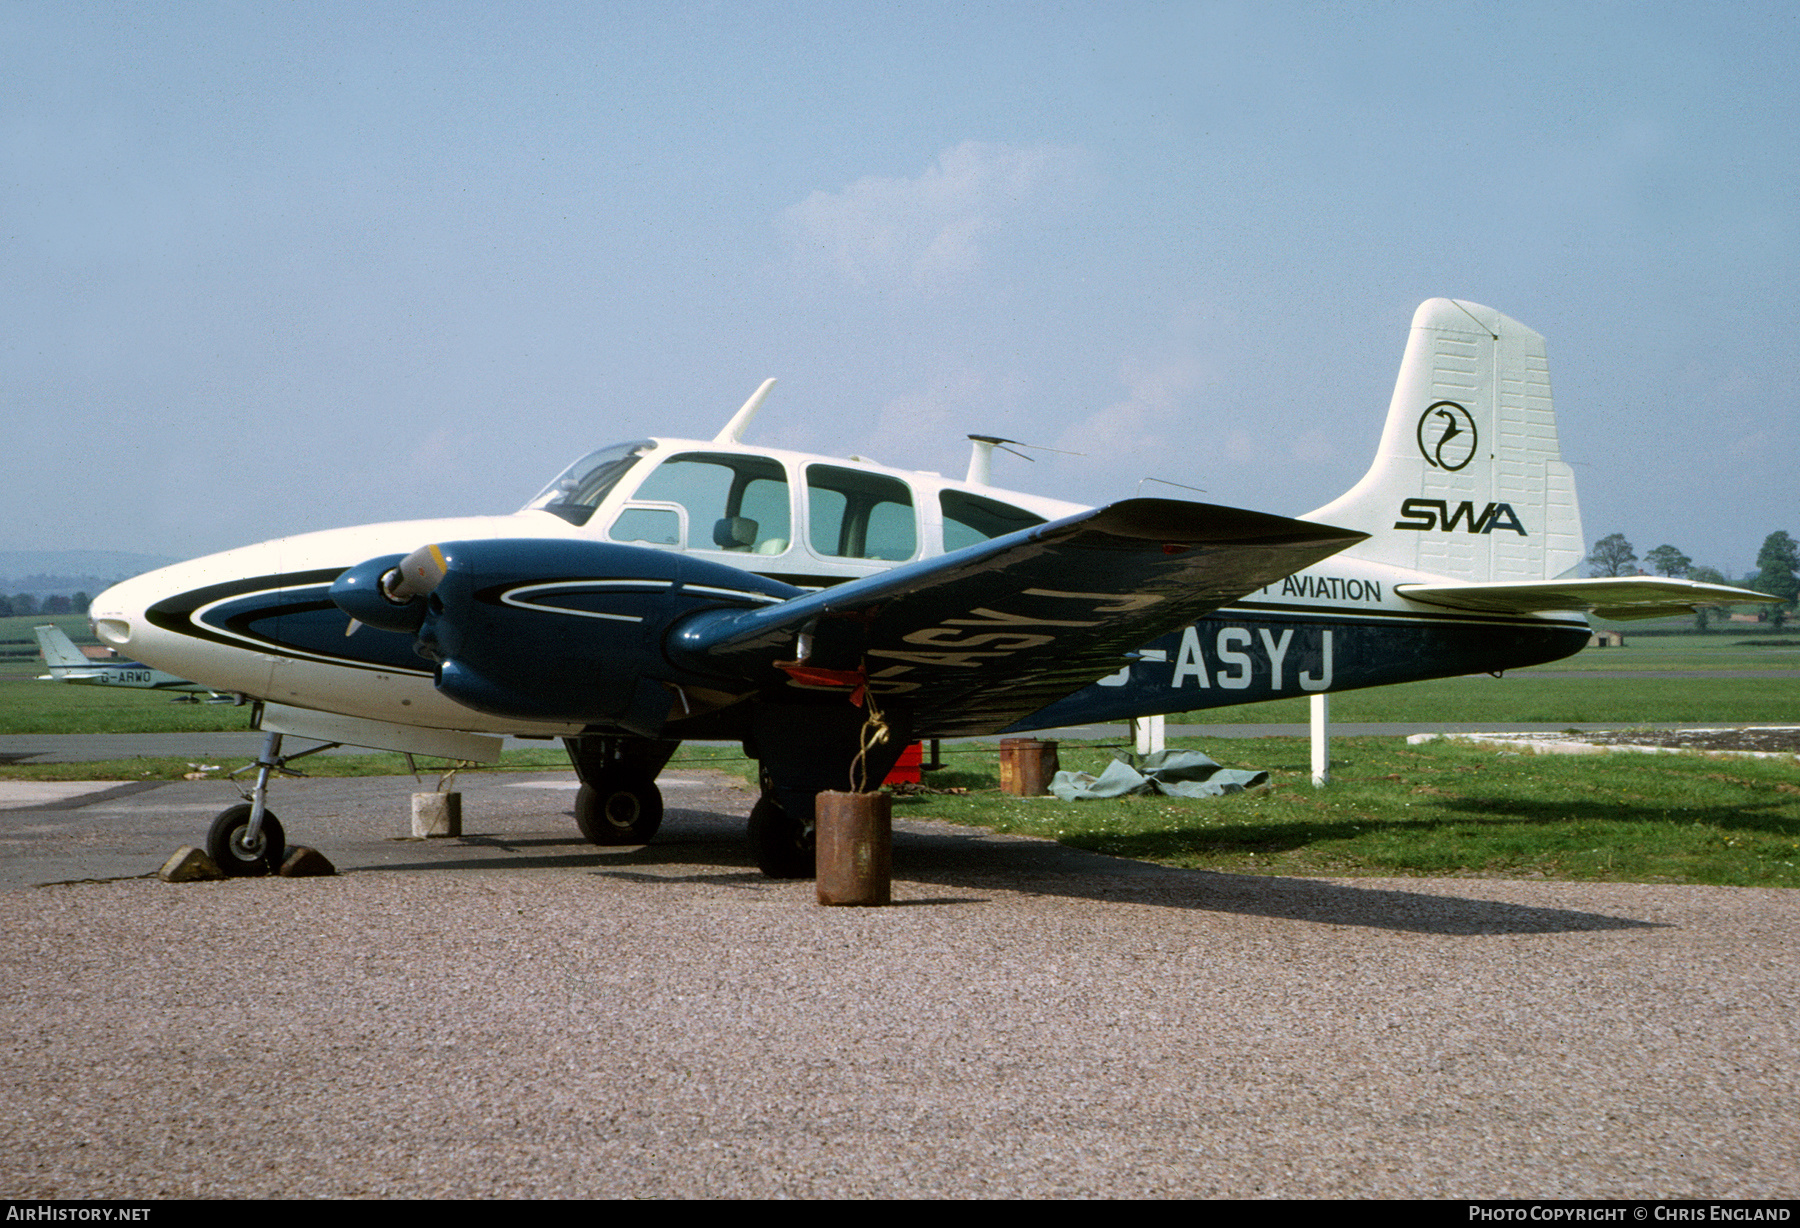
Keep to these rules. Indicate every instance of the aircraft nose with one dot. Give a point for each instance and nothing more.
(117, 613)
(121, 614)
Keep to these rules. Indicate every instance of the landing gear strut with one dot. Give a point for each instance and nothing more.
(247, 839)
(806, 749)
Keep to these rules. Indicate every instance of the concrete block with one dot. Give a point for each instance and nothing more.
(437, 814)
(302, 862)
(189, 865)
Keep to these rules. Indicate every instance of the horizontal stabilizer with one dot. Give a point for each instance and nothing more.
(975, 639)
(1614, 597)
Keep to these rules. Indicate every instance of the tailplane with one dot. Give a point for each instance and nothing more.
(1469, 480)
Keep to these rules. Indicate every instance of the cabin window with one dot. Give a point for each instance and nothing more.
(648, 526)
(972, 519)
(857, 515)
(736, 503)
(578, 490)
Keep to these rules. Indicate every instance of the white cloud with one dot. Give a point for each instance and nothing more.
(1151, 430)
(928, 429)
(928, 232)
(1196, 411)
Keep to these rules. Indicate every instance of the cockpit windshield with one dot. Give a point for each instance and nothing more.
(578, 490)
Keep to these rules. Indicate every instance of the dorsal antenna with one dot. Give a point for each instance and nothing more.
(734, 430)
(981, 455)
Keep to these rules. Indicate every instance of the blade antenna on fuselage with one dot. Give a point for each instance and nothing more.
(740, 421)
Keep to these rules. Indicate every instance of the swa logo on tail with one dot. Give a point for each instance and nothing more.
(1423, 514)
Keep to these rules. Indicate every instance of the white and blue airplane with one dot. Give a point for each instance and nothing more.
(665, 589)
(69, 664)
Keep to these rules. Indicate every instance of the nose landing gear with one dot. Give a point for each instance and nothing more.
(247, 840)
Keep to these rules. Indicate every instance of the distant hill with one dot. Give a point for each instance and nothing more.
(46, 572)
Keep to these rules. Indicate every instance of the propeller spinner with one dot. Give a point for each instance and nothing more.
(388, 592)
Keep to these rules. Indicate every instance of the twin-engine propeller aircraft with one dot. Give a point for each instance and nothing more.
(665, 589)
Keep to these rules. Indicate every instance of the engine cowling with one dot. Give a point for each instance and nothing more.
(553, 630)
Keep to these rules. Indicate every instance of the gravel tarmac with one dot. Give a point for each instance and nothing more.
(519, 1015)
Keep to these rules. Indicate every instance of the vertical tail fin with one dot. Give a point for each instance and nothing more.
(59, 650)
(1469, 480)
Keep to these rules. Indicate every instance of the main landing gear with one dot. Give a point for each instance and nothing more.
(783, 845)
(620, 807)
(247, 839)
(619, 802)
(806, 749)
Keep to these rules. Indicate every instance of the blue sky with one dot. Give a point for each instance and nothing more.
(271, 268)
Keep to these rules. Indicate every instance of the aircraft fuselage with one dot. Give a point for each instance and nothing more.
(258, 620)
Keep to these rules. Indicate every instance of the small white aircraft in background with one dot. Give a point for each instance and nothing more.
(665, 589)
(69, 664)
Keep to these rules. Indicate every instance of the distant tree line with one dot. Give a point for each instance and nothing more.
(22, 604)
(1777, 565)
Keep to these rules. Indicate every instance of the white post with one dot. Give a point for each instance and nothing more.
(1321, 739)
(1149, 733)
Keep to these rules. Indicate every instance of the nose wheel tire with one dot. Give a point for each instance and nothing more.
(239, 857)
(620, 809)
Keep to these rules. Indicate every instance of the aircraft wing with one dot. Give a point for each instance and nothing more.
(973, 640)
(1614, 597)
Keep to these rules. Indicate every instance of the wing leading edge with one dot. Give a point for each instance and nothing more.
(971, 641)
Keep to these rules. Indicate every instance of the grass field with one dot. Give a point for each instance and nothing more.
(1535, 696)
(1392, 809)
(19, 647)
(34, 707)
(1567, 691)
(1441, 809)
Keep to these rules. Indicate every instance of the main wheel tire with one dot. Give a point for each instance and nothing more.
(621, 809)
(782, 847)
(225, 843)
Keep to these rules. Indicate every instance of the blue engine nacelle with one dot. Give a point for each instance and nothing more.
(553, 630)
